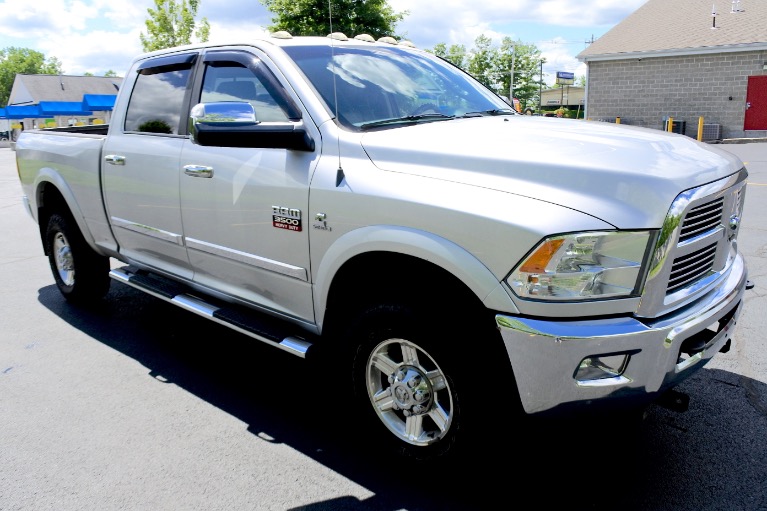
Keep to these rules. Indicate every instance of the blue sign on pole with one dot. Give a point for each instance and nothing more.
(565, 78)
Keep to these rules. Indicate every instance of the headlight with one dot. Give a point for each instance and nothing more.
(585, 265)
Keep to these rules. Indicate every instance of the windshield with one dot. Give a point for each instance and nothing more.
(383, 87)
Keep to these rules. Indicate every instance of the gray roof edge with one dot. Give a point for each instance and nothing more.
(675, 52)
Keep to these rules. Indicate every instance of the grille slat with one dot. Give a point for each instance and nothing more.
(687, 269)
(701, 219)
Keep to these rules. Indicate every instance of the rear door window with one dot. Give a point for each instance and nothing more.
(159, 97)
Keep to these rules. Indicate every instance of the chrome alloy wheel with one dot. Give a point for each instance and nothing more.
(409, 392)
(63, 256)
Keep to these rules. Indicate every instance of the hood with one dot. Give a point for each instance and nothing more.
(624, 175)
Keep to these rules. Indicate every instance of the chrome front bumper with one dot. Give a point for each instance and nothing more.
(559, 363)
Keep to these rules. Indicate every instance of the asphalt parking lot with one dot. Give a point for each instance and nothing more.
(137, 405)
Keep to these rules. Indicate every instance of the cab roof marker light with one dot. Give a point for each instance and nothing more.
(338, 36)
(389, 40)
(365, 37)
(282, 34)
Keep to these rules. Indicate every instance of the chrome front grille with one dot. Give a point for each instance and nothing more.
(696, 245)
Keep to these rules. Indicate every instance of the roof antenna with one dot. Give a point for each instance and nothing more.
(340, 171)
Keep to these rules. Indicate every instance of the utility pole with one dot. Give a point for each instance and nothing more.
(511, 80)
(540, 87)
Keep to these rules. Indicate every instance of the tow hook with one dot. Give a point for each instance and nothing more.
(674, 400)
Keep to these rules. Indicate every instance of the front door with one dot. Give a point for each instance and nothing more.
(756, 104)
(244, 210)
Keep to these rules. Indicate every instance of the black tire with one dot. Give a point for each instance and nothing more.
(81, 274)
(418, 395)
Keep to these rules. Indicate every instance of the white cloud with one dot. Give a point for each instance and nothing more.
(98, 35)
(94, 52)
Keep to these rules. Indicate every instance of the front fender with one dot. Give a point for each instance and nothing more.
(424, 245)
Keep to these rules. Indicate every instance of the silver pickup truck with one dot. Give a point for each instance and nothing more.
(447, 262)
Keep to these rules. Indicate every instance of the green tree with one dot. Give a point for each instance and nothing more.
(107, 74)
(481, 61)
(352, 17)
(456, 54)
(15, 61)
(526, 60)
(492, 66)
(173, 24)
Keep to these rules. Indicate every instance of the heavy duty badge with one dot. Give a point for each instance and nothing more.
(286, 218)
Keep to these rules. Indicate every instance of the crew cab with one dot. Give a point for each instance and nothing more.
(369, 206)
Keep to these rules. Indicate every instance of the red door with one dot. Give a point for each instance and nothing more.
(756, 104)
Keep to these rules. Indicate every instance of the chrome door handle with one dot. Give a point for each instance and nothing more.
(115, 159)
(198, 171)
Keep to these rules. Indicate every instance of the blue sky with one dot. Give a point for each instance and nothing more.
(99, 35)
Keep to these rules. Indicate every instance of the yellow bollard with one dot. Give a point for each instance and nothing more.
(617, 120)
(700, 128)
(670, 125)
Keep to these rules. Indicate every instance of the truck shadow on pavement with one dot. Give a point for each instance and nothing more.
(714, 456)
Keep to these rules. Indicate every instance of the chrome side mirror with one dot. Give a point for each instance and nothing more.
(229, 114)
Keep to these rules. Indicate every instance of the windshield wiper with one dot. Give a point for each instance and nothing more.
(495, 111)
(408, 119)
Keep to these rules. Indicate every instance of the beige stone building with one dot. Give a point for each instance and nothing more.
(684, 60)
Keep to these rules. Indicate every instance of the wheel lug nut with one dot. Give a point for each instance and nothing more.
(414, 381)
(400, 375)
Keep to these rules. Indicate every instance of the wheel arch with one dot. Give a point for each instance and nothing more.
(52, 195)
(376, 260)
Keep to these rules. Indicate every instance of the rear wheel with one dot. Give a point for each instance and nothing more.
(81, 274)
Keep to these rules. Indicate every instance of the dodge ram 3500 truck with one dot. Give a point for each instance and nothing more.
(449, 262)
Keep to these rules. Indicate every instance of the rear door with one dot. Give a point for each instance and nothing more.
(141, 164)
(244, 210)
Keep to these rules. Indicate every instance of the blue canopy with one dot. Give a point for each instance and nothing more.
(22, 112)
(48, 108)
(99, 101)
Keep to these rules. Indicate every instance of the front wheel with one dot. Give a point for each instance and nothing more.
(421, 397)
(410, 393)
(81, 274)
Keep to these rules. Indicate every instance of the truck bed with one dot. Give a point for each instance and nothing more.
(70, 159)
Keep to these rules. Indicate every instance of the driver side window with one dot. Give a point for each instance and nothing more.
(230, 81)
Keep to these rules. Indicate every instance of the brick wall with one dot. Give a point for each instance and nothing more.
(643, 92)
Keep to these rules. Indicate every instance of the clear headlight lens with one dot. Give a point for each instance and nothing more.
(581, 266)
